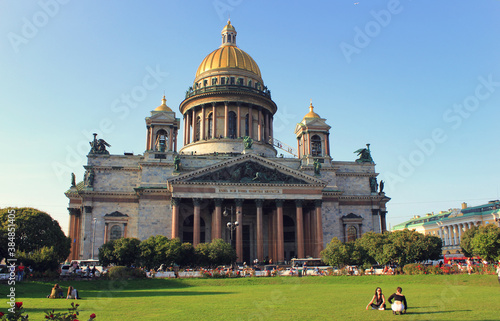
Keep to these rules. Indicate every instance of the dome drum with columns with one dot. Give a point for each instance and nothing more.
(227, 102)
(287, 206)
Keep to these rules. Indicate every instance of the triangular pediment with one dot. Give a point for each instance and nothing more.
(162, 116)
(116, 214)
(248, 169)
(312, 124)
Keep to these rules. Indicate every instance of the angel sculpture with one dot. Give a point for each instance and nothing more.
(364, 155)
(98, 146)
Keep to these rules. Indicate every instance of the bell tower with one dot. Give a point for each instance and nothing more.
(313, 138)
(162, 127)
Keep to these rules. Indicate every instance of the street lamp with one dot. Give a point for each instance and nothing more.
(231, 225)
(93, 238)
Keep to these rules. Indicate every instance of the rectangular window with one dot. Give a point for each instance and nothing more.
(232, 80)
(214, 81)
(222, 80)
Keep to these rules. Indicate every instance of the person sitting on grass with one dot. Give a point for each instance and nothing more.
(56, 292)
(72, 293)
(399, 304)
(378, 300)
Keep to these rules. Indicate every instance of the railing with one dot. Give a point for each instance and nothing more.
(210, 89)
(283, 146)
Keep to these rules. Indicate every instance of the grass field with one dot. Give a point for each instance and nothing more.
(430, 297)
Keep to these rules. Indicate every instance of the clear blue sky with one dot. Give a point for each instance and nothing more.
(418, 80)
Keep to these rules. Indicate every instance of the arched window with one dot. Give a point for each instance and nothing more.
(228, 38)
(352, 233)
(210, 124)
(161, 141)
(247, 121)
(231, 130)
(316, 146)
(115, 232)
(198, 125)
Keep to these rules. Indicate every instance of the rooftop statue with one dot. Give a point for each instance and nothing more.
(317, 167)
(89, 178)
(73, 180)
(177, 163)
(248, 141)
(373, 184)
(364, 155)
(98, 146)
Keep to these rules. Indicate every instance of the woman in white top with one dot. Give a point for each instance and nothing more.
(72, 293)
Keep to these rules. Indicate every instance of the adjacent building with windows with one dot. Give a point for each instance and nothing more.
(227, 170)
(450, 225)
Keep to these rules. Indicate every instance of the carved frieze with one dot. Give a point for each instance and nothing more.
(248, 172)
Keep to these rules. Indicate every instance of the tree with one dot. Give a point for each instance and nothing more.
(409, 246)
(486, 243)
(374, 243)
(43, 259)
(466, 242)
(173, 250)
(432, 247)
(106, 253)
(35, 232)
(153, 251)
(202, 252)
(186, 255)
(221, 253)
(336, 253)
(126, 251)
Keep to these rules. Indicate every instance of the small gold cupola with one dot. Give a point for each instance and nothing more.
(311, 113)
(163, 106)
(228, 35)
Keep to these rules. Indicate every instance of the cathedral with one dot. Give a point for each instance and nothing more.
(226, 180)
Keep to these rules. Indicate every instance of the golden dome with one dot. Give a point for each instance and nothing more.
(163, 106)
(311, 113)
(228, 57)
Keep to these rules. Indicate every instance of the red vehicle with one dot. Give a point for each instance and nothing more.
(461, 259)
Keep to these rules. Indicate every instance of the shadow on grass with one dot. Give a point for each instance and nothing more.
(438, 312)
(140, 293)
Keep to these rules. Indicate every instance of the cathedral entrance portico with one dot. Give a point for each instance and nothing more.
(277, 213)
(270, 229)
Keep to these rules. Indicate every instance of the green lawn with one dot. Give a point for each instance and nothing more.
(430, 297)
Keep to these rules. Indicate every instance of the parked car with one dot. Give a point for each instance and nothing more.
(65, 270)
(4, 272)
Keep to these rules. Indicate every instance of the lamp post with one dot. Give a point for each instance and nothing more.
(93, 237)
(231, 225)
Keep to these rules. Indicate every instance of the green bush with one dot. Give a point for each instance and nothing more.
(414, 269)
(434, 270)
(123, 272)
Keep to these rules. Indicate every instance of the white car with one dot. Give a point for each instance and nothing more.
(4, 272)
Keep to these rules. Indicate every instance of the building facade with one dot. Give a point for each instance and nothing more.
(227, 180)
(450, 225)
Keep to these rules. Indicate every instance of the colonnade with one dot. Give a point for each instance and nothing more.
(451, 234)
(232, 127)
(308, 224)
